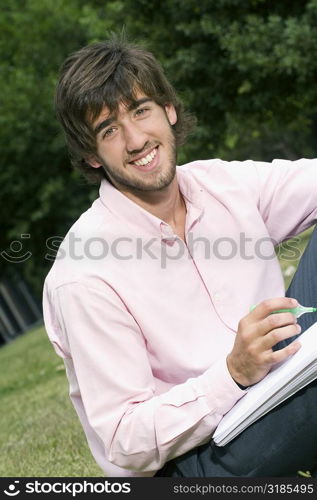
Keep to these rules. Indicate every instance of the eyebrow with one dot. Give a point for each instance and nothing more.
(131, 107)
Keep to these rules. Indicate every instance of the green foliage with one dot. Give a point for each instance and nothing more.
(40, 195)
(246, 69)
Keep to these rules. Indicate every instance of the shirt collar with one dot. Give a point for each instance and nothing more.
(130, 212)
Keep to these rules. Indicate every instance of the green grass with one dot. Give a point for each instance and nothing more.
(40, 434)
(288, 264)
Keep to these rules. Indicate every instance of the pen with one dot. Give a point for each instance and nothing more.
(297, 311)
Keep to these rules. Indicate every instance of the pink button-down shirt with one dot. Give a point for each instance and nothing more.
(144, 321)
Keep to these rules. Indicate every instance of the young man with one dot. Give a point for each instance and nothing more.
(148, 300)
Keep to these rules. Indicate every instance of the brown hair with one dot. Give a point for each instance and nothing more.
(107, 74)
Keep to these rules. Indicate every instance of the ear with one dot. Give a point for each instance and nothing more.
(171, 113)
(93, 162)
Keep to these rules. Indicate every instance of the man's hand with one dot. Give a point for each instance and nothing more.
(252, 356)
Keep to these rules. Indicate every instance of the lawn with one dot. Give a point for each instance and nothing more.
(40, 435)
(290, 253)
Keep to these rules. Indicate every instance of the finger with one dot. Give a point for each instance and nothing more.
(278, 356)
(274, 321)
(268, 306)
(279, 334)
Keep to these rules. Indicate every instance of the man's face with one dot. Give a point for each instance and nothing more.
(136, 147)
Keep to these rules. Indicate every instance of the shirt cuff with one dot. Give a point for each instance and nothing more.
(221, 391)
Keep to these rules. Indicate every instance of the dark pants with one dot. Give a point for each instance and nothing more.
(282, 441)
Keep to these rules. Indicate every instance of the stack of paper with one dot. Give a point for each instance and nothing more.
(280, 383)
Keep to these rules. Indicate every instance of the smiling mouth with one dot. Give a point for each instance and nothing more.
(145, 160)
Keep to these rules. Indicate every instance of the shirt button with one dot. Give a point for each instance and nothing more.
(167, 232)
(217, 297)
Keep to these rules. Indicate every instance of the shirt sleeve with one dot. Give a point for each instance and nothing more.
(140, 430)
(287, 196)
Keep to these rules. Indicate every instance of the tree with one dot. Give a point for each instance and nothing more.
(41, 196)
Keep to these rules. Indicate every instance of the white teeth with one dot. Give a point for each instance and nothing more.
(146, 159)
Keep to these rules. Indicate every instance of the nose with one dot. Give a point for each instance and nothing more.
(135, 139)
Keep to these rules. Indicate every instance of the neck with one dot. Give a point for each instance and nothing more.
(167, 204)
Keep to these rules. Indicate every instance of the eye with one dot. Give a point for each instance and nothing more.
(108, 132)
(142, 111)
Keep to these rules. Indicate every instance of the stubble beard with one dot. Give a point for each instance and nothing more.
(159, 181)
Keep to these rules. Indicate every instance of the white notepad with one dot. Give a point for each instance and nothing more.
(280, 383)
